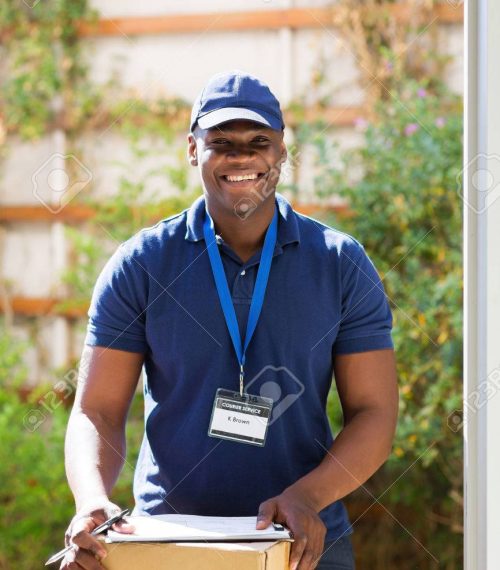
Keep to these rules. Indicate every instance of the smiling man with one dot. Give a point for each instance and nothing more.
(241, 311)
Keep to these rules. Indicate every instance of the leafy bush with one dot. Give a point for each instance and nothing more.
(42, 59)
(405, 208)
(36, 504)
(35, 500)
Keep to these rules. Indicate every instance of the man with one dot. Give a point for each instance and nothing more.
(241, 310)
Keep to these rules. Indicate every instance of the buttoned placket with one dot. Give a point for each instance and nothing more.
(243, 284)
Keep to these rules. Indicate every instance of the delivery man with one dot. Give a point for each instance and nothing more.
(241, 311)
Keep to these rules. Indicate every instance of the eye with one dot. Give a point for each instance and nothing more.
(220, 141)
(261, 139)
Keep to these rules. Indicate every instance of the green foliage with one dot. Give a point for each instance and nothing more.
(36, 504)
(407, 212)
(45, 78)
(34, 497)
(42, 61)
(12, 368)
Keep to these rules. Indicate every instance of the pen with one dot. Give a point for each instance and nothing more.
(101, 528)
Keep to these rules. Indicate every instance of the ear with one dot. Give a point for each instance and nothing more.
(191, 150)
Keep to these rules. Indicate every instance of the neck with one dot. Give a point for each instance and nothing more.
(244, 236)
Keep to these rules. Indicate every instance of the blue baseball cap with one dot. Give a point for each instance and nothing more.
(236, 95)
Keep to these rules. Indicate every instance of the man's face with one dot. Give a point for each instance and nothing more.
(238, 159)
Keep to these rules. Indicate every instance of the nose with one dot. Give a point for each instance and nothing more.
(240, 159)
(240, 152)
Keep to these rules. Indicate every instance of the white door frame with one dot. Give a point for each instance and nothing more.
(482, 285)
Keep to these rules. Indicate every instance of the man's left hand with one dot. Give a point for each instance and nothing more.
(296, 513)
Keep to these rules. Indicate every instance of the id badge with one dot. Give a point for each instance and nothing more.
(240, 418)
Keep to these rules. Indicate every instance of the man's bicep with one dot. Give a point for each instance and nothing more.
(366, 319)
(117, 312)
(367, 381)
(107, 381)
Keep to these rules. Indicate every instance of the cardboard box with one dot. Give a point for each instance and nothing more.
(197, 555)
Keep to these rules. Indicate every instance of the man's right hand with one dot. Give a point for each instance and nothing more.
(88, 550)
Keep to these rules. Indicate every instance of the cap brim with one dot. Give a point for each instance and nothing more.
(226, 114)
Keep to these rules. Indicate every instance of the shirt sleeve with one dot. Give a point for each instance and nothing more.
(366, 319)
(119, 300)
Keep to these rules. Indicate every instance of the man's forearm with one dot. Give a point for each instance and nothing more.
(94, 455)
(358, 451)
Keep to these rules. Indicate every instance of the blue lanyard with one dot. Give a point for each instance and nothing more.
(223, 288)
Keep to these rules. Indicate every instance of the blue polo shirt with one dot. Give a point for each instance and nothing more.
(157, 295)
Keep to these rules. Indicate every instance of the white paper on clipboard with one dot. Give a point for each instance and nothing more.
(176, 527)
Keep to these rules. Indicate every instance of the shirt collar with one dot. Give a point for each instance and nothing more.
(288, 228)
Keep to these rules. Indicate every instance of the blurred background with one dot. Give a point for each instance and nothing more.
(94, 106)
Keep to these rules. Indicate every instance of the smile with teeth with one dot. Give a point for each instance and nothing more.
(240, 178)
